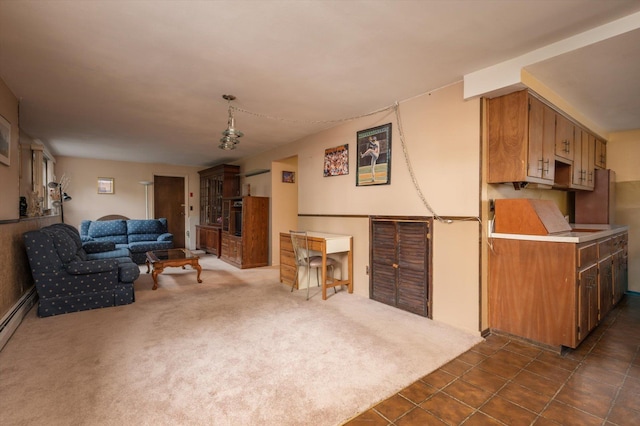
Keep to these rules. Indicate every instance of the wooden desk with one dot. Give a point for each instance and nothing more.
(325, 244)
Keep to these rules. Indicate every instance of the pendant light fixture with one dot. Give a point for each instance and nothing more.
(230, 136)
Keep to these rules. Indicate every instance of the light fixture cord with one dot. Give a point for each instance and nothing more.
(289, 120)
(405, 151)
(396, 108)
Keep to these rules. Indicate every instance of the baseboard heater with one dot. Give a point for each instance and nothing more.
(13, 318)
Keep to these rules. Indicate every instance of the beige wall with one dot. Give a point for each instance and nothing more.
(129, 197)
(284, 203)
(442, 136)
(623, 152)
(9, 175)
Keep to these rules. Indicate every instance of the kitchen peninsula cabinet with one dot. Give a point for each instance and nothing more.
(555, 289)
(620, 260)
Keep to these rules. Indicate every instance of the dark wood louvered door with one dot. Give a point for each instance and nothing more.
(400, 262)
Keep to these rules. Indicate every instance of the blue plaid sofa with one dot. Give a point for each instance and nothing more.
(137, 235)
(71, 276)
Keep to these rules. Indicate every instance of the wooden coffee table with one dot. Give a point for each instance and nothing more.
(161, 259)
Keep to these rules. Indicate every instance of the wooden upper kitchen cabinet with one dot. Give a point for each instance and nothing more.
(584, 160)
(565, 138)
(531, 141)
(521, 139)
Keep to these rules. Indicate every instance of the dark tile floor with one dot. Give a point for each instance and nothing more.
(504, 381)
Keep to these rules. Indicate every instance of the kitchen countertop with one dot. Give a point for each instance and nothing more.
(580, 233)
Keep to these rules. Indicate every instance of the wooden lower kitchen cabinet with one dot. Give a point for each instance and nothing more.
(554, 293)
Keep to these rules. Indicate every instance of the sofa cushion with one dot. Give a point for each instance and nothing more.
(74, 235)
(41, 252)
(64, 244)
(144, 246)
(98, 246)
(152, 228)
(111, 254)
(108, 230)
(71, 232)
(135, 238)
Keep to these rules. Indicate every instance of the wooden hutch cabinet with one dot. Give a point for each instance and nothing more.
(244, 239)
(216, 183)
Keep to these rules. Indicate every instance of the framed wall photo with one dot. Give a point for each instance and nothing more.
(336, 161)
(374, 156)
(5, 141)
(288, 177)
(105, 186)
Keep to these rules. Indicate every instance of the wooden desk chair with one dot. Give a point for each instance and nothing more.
(300, 243)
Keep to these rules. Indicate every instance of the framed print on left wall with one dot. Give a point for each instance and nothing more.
(5, 141)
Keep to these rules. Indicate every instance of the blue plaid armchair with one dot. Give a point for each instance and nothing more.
(70, 277)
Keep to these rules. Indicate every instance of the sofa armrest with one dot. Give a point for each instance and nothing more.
(91, 267)
(165, 237)
(98, 246)
(85, 238)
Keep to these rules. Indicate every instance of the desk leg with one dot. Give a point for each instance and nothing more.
(350, 266)
(324, 273)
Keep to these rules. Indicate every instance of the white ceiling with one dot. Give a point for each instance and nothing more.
(143, 81)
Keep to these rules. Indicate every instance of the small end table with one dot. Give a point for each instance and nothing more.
(161, 259)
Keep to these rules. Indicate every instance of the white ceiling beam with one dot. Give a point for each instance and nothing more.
(505, 76)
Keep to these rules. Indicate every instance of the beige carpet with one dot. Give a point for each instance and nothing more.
(238, 349)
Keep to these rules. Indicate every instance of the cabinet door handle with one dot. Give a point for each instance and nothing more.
(395, 266)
